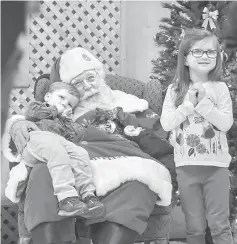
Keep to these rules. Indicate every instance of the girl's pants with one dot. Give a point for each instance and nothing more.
(204, 195)
(69, 165)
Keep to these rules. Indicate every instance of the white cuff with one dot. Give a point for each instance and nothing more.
(6, 138)
(186, 108)
(17, 174)
(204, 106)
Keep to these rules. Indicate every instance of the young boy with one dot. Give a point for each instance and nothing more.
(68, 164)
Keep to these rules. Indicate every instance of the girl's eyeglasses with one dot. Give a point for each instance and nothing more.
(198, 53)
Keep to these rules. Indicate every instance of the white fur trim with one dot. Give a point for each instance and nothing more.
(73, 62)
(110, 174)
(6, 138)
(129, 102)
(17, 174)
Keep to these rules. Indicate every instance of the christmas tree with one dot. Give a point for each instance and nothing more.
(209, 15)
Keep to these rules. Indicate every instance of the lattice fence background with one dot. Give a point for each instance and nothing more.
(61, 25)
(9, 230)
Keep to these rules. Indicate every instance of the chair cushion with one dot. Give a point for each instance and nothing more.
(128, 85)
(150, 91)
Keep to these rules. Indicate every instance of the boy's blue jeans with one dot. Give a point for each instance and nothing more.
(69, 165)
(204, 195)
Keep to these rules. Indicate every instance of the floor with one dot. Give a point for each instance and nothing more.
(171, 242)
(177, 242)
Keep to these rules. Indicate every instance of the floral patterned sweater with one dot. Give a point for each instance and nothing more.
(198, 134)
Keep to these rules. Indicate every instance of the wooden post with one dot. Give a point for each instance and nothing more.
(139, 23)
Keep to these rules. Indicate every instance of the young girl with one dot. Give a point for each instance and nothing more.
(198, 111)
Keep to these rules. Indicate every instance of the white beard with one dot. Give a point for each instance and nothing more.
(101, 99)
(87, 95)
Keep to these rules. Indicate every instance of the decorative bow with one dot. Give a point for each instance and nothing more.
(209, 17)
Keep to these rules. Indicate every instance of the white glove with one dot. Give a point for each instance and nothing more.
(130, 130)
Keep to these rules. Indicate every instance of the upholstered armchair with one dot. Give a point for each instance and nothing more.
(159, 221)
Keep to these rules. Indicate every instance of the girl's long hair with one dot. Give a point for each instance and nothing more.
(181, 81)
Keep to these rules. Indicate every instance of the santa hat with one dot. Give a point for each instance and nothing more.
(75, 61)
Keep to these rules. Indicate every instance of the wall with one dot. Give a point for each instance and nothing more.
(139, 23)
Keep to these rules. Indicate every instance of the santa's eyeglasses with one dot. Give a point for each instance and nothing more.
(82, 80)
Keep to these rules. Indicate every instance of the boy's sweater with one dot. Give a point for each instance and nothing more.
(199, 133)
(47, 119)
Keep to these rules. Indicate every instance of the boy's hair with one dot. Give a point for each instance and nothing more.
(182, 80)
(64, 86)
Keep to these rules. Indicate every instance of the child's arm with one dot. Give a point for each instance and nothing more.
(38, 111)
(149, 141)
(221, 114)
(131, 119)
(171, 117)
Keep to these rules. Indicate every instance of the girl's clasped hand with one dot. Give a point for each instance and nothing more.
(196, 93)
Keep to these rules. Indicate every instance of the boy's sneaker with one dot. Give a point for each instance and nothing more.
(96, 208)
(72, 206)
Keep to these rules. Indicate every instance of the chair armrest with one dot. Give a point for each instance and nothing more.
(153, 94)
(41, 87)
